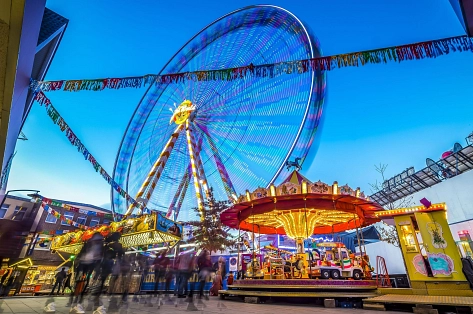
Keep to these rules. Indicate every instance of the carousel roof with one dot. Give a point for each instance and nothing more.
(300, 209)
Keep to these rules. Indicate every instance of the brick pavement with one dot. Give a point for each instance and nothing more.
(23, 305)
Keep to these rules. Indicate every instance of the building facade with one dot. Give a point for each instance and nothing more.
(33, 226)
(26, 231)
(30, 35)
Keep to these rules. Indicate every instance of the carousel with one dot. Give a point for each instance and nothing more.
(300, 209)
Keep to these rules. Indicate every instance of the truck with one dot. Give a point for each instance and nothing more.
(336, 262)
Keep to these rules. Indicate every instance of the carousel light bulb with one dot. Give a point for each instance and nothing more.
(335, 187)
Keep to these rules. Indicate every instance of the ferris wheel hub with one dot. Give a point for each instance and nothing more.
(182, 112)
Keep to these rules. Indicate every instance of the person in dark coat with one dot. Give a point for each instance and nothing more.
(160, 265)
(60, 276)
(205, 267)
(67, 282)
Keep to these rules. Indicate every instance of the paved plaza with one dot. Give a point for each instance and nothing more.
(214, 305)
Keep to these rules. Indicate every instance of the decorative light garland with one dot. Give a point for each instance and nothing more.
(417, 51)
(409, 210)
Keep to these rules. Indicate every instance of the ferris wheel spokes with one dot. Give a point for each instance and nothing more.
(181, 189)
(155, 173)
(194, 165)
(227, 183)
(183, 185)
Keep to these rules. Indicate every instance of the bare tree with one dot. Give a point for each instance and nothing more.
(377, 186)
(386, 232)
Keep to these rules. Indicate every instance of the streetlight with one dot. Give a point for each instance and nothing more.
(5, 196)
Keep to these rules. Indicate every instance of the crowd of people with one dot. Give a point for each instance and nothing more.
(104, 258)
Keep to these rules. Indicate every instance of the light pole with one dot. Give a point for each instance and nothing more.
(5, 196)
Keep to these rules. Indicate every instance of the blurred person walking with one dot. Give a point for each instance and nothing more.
(160, 264)
(205, 267)
(185, 268)
(60, 276)
(67, 282)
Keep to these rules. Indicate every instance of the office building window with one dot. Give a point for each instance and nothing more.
(69, 215)
(19, 213)
(94, 222)
(81, 220)
(3, 210)
(51, 219)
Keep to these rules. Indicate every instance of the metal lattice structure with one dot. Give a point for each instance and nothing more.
(233, 135)
(453, 165)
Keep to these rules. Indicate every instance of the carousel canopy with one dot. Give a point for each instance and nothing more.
(300, 209)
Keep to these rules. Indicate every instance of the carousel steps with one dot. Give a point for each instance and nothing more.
(303, 284)
(297, 294)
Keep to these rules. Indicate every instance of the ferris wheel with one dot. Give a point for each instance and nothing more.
(186, 137)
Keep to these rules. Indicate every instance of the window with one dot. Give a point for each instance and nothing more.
(43, 243)
(19, 213)
(3, 210)
(106, 222)
(69, 215)
(51, 219)
(94, 222)
(81, 220)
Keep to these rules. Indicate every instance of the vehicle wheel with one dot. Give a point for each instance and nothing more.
(325, 274)
(335, 274)
(357, 274)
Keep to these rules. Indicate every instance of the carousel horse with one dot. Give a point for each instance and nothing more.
(253, 269)
(294, 265)
(294, 164)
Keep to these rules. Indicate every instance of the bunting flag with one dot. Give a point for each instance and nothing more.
(417, 51)
(61, 217)
(41, 98)
(67, 207)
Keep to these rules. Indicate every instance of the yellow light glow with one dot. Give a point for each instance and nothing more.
(272, 190)
(440, 206)
(194, 169)
(304, 187)
(182, 113)
(300, 223)
(26, 260)
(248, 196)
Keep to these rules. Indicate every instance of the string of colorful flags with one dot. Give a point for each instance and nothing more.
(417, 51)
(61, 217)
(41, 98)
(67, 207)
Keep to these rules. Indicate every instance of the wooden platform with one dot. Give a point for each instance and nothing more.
(310, 284)
(421, 299)
(301, 288)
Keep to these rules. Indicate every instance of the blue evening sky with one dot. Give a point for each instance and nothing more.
(396, 113)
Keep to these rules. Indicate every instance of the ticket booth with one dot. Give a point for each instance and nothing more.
(431, 256)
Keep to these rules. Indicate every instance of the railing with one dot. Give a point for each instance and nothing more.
(382, 278)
